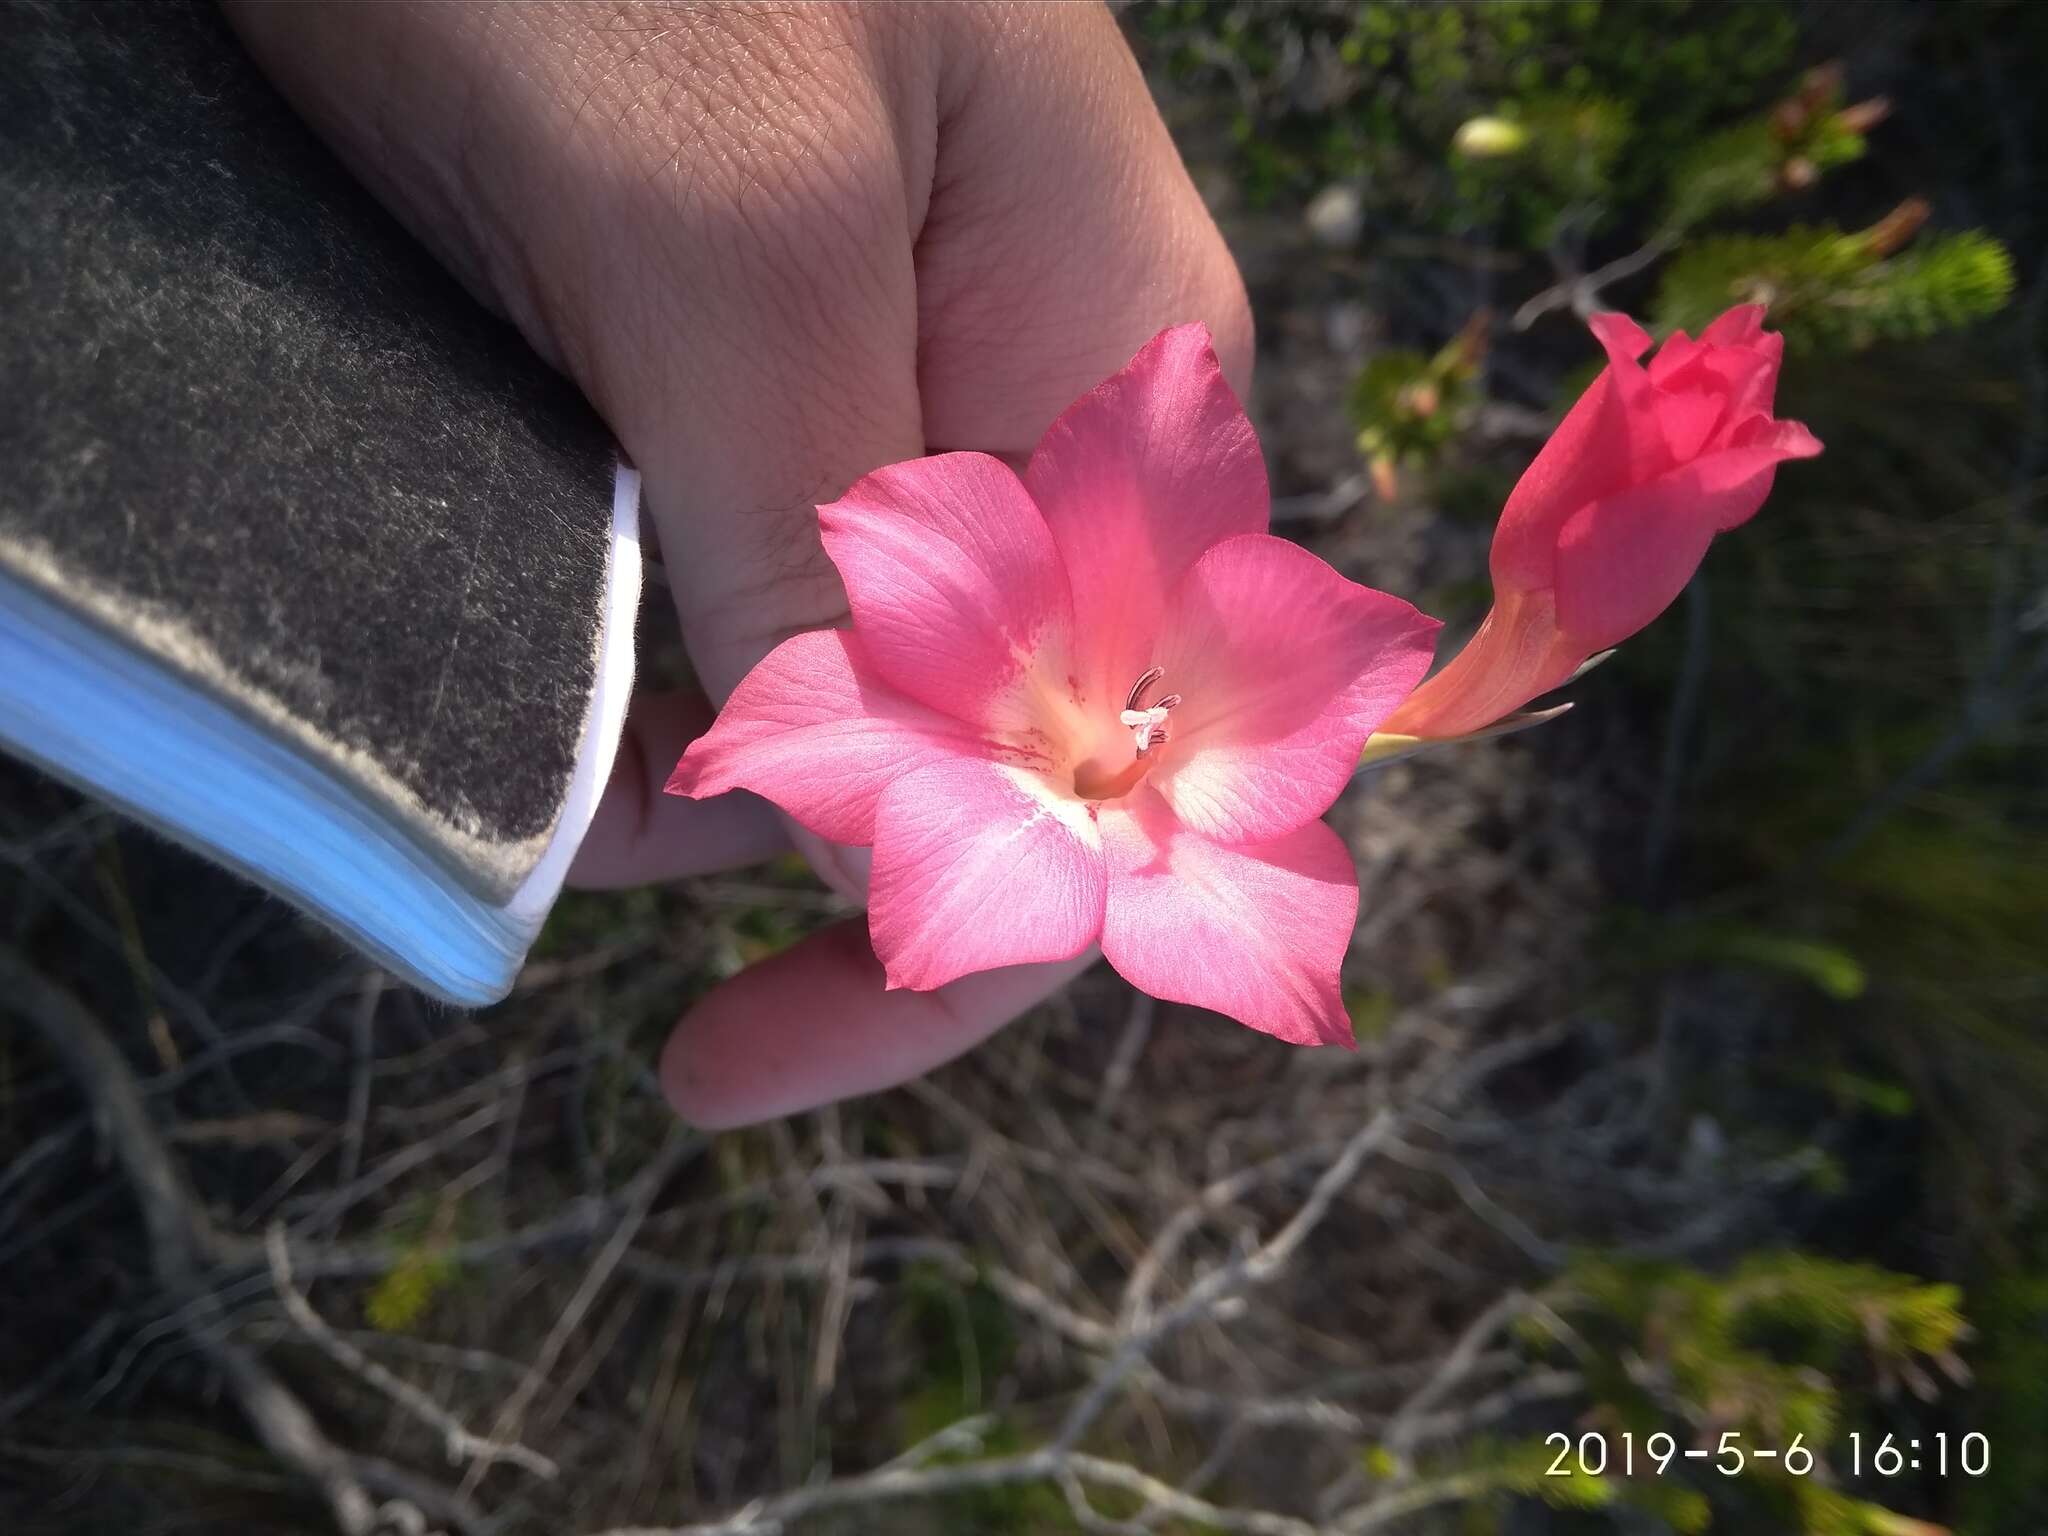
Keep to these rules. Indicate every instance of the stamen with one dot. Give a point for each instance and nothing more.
(1147, 722)
(1138, 688)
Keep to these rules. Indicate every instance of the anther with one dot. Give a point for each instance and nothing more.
(1147, 722)
(1138, 688)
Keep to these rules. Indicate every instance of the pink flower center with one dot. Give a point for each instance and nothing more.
(1146, 720)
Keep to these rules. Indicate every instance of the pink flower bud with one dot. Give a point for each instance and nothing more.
(1613, 518)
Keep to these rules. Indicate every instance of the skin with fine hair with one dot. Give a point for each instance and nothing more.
(778, 248)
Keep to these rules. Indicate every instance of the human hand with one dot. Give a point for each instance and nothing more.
(778, 249)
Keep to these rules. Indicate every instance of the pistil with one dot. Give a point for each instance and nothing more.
(1146, 721)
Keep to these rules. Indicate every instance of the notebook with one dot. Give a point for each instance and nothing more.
(305, 559)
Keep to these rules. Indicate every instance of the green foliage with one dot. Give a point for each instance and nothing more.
(1822, 1511)
(1892, 1100)
(1827, 1304)
(1685, 1510)
(963, 1337)
(1779, 1353)
(1371, 1010)
(1786, 149)
(1656, 946)
(1408, 406)
(1771, 1346)
(1414, 73)
(1569, 148)
(403, 1296)
(1488, 1477)
(1783, 1349)
(763, 930)
(1953, 896)
(1943, 907)
(773, 923)
(398, 1302)
(1575, 141)
(1835, 291)
(2012, 1404)
(1734, 169)
(1524, 1468)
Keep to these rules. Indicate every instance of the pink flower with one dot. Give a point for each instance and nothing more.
(1613, 518)
(1097, 704)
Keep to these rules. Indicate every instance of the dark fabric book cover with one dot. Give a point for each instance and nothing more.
(253, 433)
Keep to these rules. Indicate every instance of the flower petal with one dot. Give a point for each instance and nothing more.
(955, 586)
(1624, 559)
(1687, 419)
(1716, 387)
(1777, 440)
(978, 866)
(1622, 338)
(1256, 932)
(1752, 389)
(815, 729)
(1609, 439)
(1741, 326)
(1284, 669)
(1516, 655)
(1677, 350)
(1136, 480)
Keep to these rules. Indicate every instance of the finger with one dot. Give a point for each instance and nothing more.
(1043, 269)
(640, 834)
(812, 1025)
